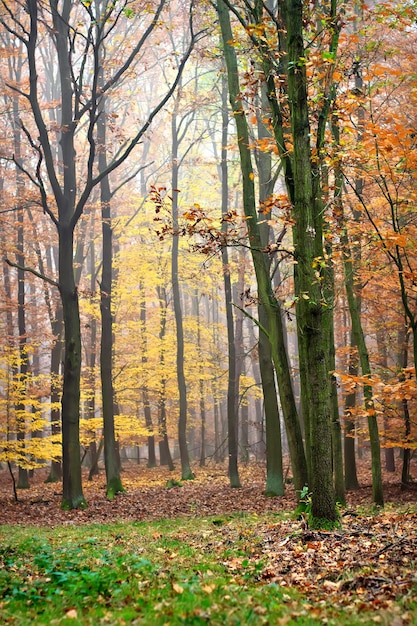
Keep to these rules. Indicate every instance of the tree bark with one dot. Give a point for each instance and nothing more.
(232, 408)
(186, 472)
(145, 393)
(265, 293)
(164, 450)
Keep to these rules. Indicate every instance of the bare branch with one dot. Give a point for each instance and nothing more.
(31, 270)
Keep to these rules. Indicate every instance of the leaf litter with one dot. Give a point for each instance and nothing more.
(370, 563)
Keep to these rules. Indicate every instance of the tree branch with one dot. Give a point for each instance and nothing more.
(32, 271)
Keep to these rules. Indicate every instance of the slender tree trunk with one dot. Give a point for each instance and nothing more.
(164, 450)
(383, 362)
(339, 479)
(403, 362)
(351, 476)
(21, 381)
(55, 472)
(357, 330)
(200, 384)
(91, 362)
(145, 394)
(237, 291)
(359, 337)
(275, 330)
(232, 408)
(111, 456)
(274, 470)
(186, 472)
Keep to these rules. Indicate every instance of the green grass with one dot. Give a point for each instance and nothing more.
(188, 571)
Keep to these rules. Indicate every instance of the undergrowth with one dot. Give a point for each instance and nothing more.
(186, 571)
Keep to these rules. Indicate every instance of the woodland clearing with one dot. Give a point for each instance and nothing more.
(204, 553)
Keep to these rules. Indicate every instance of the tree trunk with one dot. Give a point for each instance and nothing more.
(403, 362)
(272, 309)
(351, 476)
(73, 496)
(55, 472)
(145, 394)
(313, 316)
(377, 489)
(232, 408)
(111, 457)
(186, 473)
(164, 451)
(200, 384)
(237, 291)
(274, 469)
(383, 362)
(91, 363)
(23, 477)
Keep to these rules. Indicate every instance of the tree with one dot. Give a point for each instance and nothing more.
(273, 312)
(75, 30)
(232, 408)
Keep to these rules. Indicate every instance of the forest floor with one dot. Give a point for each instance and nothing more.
(205, 545)
(148, 498)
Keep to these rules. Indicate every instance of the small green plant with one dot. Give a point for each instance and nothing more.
(304, 513)
(172, 483)
(303, 509)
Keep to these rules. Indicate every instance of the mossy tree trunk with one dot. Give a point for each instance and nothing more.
(313, 315)
(274, 485)
(265, 292)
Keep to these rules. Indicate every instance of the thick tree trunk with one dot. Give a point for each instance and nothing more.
(73, 496)
(313, 316)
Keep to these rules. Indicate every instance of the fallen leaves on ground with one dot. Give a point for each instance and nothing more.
(148, 497)
(370, 563)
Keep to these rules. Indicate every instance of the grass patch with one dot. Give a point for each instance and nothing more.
(188, 571)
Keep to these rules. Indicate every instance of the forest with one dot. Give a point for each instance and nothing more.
(208, 326)
(208, 241)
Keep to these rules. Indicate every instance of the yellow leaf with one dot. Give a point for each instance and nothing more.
(71, 614)
(177, 588)
(208, 588)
